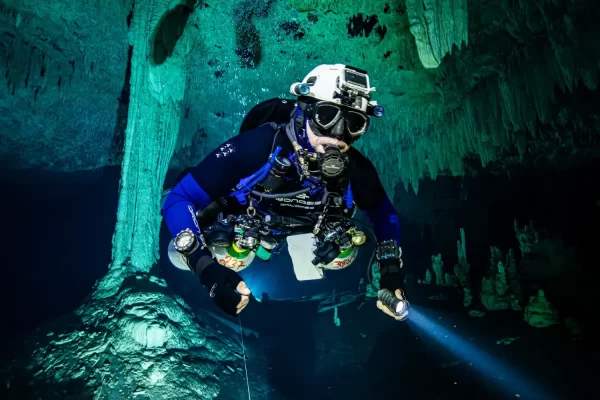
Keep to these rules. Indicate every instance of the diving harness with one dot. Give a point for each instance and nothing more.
(236, 240)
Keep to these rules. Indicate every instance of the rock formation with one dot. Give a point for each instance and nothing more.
(500, 83)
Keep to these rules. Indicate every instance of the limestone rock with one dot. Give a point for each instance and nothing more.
(506, 341)
(574, 326)
(508, 98)
(490, 299)
(142, 342)
(539, 312)
(493, 294)
(461, 270)
(428, 277)
(514, 282)
(476, 313)
(438, 269)
(437, 26)
(527, 236)
(375, 277)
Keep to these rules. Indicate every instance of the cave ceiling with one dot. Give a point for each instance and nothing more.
(466, 84)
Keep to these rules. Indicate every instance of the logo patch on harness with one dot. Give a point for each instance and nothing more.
(301, 200)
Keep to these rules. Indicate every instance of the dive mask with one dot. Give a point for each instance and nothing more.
(337, 121)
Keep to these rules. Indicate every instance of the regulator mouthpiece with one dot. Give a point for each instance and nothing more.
(333, 161)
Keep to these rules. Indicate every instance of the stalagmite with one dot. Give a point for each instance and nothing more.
(438, 269)
(501, 285)
(428, 277)
(527, 236)
(539, 312)
(153, 122)
(449, 279)
(493, 294)
(513, 281)
(461, 270)
(133, 332)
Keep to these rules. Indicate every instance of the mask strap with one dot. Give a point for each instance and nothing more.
(308, 145)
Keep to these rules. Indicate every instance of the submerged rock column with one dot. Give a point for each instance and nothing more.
(134, 338)
(461, 270)
(156, 93)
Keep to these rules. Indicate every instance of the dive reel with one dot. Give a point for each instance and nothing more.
(236, 240)
(251, 233)
(333, 238)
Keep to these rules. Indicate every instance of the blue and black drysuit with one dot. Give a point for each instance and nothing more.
(243, 155)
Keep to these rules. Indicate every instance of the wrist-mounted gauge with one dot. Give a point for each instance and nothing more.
(388, 250)
(186, 241)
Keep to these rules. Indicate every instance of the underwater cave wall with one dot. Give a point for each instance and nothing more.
(516, 94)
(63, 69)
(511, 96)
(508, 92)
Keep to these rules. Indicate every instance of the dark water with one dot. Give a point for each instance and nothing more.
(59, 229)
(400, 360)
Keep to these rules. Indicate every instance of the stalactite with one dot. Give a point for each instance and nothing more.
(26, 64)
(29, 68)
(437, 26)
(17, 63)
(512, 96)
(35, 67)
(488, 97)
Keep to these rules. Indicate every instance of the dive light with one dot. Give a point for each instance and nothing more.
(375, 110)
(393, 303)
(378, 111)
(300, 89)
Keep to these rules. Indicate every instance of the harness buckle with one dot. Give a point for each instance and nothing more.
(251, 211)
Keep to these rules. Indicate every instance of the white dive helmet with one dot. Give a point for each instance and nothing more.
(338, 83)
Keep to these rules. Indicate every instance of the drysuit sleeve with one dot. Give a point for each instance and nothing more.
(369, 196)
(216, 176)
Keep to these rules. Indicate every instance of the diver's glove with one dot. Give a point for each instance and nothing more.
(391, 297)
(392, 277)
(225, 286)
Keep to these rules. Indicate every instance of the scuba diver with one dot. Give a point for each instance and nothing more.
(298, 181)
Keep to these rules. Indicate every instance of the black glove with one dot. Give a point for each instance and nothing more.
(220, 281)
(219, 233)
(392, 277)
